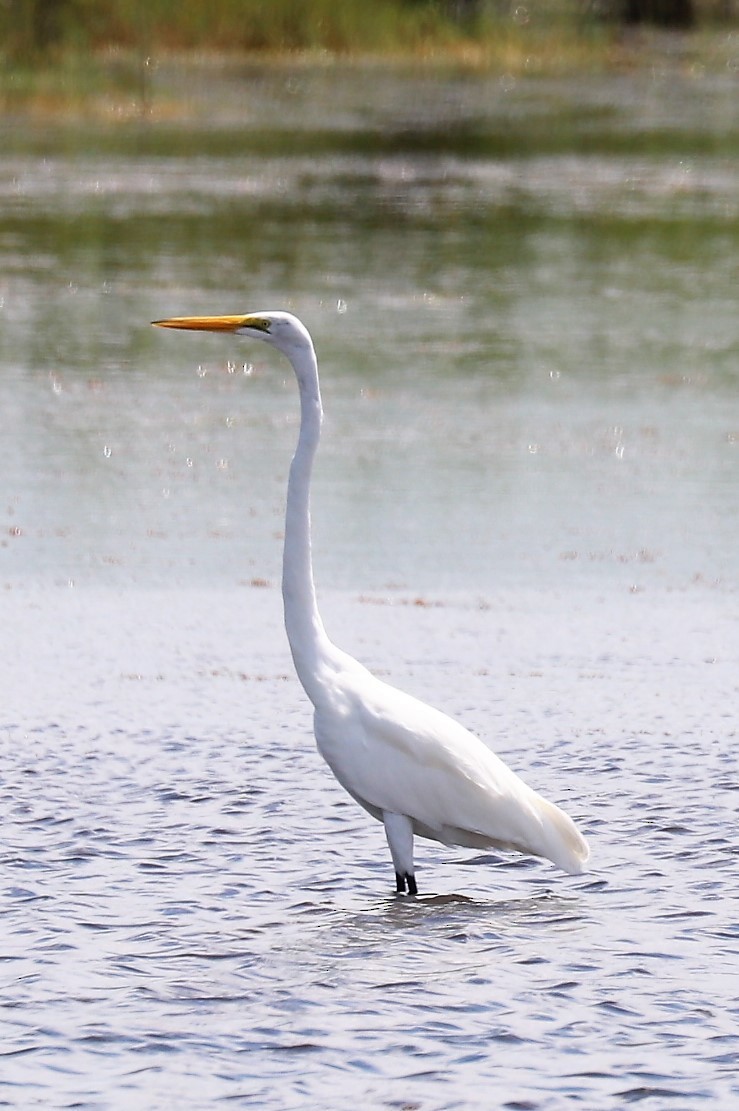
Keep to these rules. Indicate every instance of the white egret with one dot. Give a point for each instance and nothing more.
(410, 766)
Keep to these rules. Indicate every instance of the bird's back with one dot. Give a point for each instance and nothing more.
(394, 753)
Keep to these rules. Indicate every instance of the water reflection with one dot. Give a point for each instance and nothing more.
(477, 357)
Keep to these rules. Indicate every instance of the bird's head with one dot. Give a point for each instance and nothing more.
(280, 329)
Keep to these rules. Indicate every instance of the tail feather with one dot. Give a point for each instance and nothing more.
(564, 845)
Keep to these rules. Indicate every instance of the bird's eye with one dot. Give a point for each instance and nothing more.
(259, 323)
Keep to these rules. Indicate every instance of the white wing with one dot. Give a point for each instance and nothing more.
(394, 753)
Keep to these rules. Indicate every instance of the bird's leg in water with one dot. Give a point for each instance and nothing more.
(399, 833)
(401, 881)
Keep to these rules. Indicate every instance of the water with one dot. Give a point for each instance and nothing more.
(525, 512)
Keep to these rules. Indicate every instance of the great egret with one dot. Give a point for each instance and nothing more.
(412, 767)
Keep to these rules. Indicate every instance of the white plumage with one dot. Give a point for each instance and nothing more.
(409, 765)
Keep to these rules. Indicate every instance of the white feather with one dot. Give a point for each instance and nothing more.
(394, 753)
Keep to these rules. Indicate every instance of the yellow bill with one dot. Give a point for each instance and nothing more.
(214, 323)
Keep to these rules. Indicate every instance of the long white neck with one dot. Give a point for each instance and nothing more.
(310, 647)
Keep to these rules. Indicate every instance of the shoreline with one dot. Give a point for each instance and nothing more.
(115, 84)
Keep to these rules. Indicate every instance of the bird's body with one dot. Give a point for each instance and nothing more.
(396, 755)
(409, 765)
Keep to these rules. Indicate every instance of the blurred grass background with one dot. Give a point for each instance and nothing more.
(31, 30)
(67, 56)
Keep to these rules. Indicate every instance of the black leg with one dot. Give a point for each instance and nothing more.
(405, 878)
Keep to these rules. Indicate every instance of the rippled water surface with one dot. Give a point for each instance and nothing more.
(523, 294)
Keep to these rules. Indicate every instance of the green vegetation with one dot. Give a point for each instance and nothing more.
(59, 55)
(30, 29)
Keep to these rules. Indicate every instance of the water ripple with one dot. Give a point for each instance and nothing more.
(192, 914)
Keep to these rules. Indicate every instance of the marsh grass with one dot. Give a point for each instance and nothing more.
(106, 57)
(249, 25)
(103, 57)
